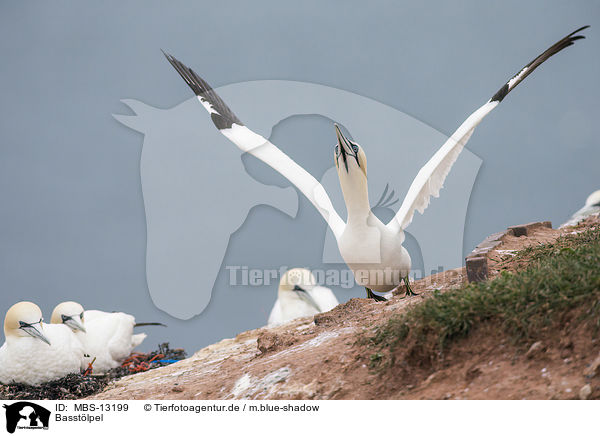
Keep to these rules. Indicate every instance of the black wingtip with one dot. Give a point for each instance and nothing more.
(531, 66)
(224, 118)
(502, 92)
(579, 30)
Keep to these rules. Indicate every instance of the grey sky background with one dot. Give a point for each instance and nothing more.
(72, 222)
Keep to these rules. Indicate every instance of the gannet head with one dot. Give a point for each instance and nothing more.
(593, 199)
(24, 319)
(69, 313)
(295, 284)
(351, 165)
(350, 159)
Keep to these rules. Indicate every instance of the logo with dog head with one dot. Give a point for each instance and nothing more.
(26, 415)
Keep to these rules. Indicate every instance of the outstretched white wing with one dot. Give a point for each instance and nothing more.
(248, 141)
(430, 178)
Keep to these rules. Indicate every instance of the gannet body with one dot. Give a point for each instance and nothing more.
(106, 337)
(372, 249)
(324, 297)
(298, 296)
(35, 352)
(591, 207)
(109, 338)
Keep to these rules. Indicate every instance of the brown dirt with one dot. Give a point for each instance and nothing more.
(322, 358)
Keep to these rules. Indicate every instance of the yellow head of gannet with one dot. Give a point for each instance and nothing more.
(69, 313)
(24, 319)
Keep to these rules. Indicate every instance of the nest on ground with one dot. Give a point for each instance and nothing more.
(74, 386)
(140, 362)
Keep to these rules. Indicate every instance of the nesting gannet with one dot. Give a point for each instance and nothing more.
(372, 250)
(106, 337)
(35, 352)
(591, 207)
(299, 296)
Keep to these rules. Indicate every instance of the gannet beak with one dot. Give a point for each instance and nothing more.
(73, 324)
(306, 297)
(342, 141)
(32, 331)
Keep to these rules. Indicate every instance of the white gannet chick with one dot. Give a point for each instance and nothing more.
(372, 249)
(298, 296)
(35, 352)
(106, 336)
(591, 207)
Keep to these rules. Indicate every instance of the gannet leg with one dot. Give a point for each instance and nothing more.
(409, 291)
(372, 295)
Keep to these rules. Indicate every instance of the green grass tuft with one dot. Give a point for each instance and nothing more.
(551, 280)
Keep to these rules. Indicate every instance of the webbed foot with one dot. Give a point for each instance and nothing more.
(373, 296)
(409, 291)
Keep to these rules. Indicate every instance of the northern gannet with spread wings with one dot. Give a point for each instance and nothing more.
(372, 250)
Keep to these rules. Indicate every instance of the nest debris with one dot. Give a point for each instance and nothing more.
(75, 386)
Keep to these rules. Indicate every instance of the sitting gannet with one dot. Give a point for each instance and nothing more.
(372, 250)
(34, 352)
(591, 207)
(106, 337)
(298, 296)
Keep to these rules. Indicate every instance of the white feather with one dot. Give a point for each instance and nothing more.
(30, 361)
(431, 177)
(109, 338)
(324, 297)
(264, 150)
